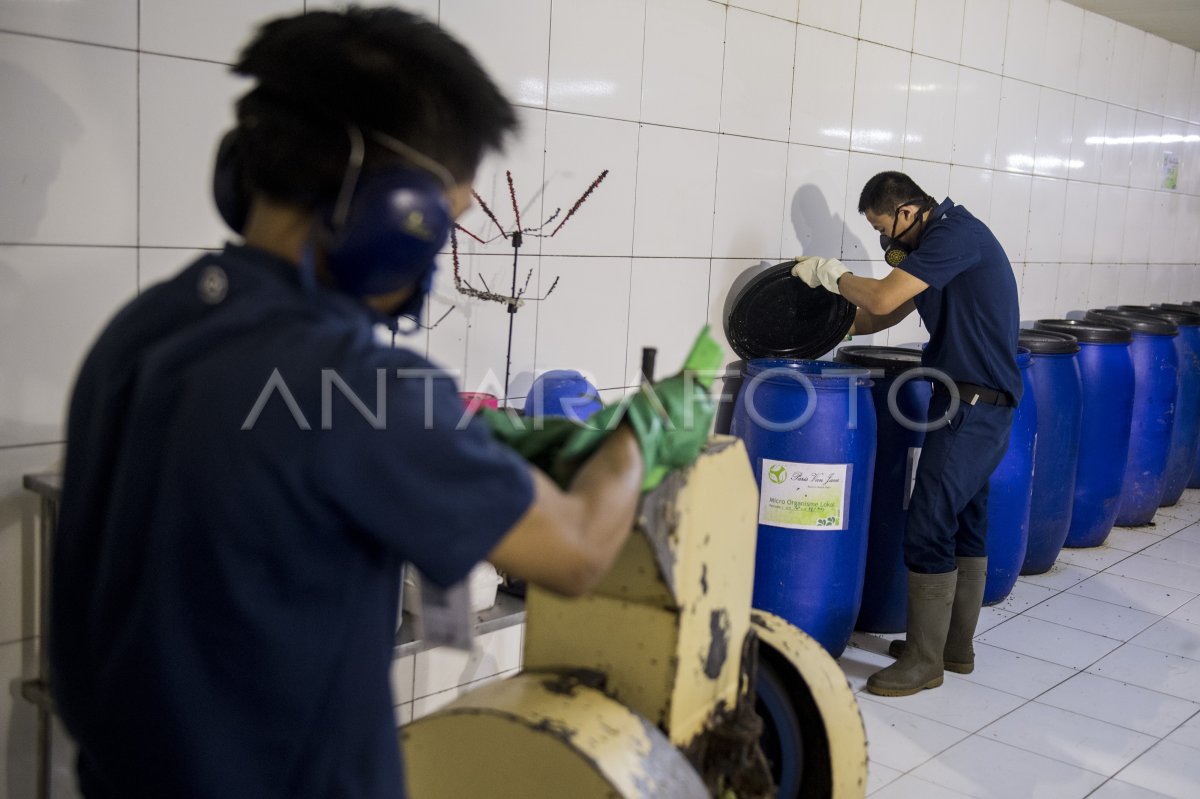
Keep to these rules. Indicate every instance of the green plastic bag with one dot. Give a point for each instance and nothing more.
(671, 419)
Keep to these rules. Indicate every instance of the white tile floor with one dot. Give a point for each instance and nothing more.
(1086, 683)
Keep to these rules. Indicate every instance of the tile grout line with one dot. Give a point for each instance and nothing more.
(1026, 702)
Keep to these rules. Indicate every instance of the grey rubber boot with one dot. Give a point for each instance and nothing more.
(930, 599)
(959, 655)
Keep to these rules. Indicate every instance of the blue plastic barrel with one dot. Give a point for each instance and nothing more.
(1106, 370)
(1156, 376)
(809, 429)
(1193, 307)
(1185, 431)
(898, 450)
(1009, 492)
(562, 392)
(1054, 379)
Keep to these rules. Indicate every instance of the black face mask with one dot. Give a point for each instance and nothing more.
(894, 250)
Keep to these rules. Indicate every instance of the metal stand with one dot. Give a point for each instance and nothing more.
(37, 690)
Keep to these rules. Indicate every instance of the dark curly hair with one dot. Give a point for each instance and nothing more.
(382, 69)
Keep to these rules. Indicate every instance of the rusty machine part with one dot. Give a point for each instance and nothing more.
(649, 685)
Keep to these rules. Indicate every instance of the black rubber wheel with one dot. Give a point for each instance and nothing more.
(793, 737)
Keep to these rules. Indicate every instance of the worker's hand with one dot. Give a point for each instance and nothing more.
(816, 271)
(671, 419)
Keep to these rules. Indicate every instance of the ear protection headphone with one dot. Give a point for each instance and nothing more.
(384, 229)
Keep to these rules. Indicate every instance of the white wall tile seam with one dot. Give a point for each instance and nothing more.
(712, 233)
(759, 12)
(12, 447)
(31, 639)
(67, 40)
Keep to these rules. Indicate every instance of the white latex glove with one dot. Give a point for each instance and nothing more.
(816, 271)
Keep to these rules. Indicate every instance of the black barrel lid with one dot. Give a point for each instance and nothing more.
(1186, 307)
(1137, 322)
(1048, 342)
(1188, 317)
(892, 360)
(770, 314)
(1090, 332)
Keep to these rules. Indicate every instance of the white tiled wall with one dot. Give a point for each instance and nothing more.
(734, 133)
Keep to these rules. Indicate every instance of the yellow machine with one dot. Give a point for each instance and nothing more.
(648, 686)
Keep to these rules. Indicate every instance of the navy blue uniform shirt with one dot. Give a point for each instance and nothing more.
(224, 599)
(970, 307)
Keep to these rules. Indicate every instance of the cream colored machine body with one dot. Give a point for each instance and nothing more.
(626, 691)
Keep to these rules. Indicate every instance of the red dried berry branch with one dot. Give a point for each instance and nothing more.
(580, 202)
(512, 192)
(489, 213)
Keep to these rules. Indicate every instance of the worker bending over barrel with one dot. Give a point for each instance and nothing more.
(950, 269)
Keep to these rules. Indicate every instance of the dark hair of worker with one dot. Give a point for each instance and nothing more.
(887, 191)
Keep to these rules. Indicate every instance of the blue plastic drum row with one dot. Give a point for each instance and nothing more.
(1109, 426)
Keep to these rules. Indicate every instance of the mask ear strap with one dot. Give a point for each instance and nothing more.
(341, 209)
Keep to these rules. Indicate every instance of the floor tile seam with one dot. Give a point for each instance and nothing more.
(1113, 723)
(1195, 660)
(1165, 510)
(1195, 592)
(1103, 635)
(1040, 601)
(1129, 765)
(1178, 726)
(1122, 682)
(1109, 566)
(1145, 687)
(1166, 560)
(1154, 742)
(982, 737)
(1080, 670)
(1044, 621)
(867, 694)
(1137, 580)
(967, 734)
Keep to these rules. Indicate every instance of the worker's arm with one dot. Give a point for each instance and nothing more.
(568, 540)
(866, 322)
(882, 297)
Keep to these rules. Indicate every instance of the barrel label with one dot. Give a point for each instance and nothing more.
(910, 472)
(804, 496)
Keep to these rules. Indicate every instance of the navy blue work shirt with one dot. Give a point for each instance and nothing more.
(970, 307)
(226, 567)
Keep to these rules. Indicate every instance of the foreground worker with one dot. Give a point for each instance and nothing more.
(949, 267)
(247, 467)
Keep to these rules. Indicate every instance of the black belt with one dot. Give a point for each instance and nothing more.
(971, 394)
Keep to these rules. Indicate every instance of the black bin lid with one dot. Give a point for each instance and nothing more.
(892, 360)
(1090, 332)
(1048, 342)
(1186, 307)
(1137, 322)
(770, 314)
(1185, 318)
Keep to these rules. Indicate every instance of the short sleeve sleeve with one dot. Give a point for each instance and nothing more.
(423, 481)
(944, 254)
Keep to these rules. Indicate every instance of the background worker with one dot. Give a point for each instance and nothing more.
(949, 267)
